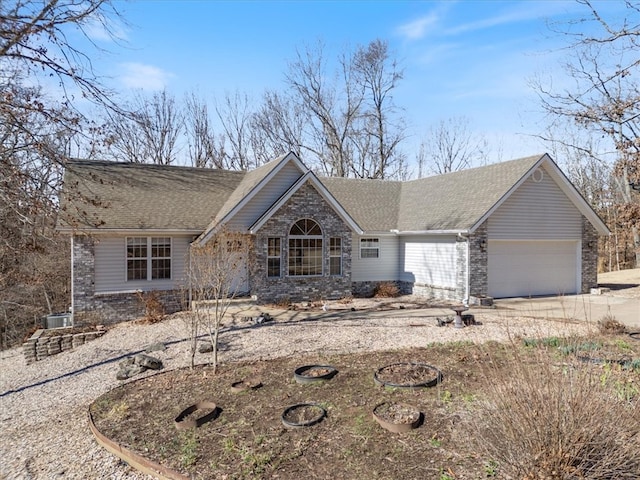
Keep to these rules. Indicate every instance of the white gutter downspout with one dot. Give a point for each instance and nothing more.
(468, 272)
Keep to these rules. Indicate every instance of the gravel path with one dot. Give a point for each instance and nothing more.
(44, 431)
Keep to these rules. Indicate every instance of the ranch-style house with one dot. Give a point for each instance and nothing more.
(512, 229)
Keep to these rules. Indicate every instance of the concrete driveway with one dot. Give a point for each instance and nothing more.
(621, 301)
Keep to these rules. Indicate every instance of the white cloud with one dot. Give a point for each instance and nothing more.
(146, 77)
(520, 12)
(105, 30)
(418, 28)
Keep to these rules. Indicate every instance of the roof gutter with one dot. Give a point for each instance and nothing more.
(127, 231)
(430, 232)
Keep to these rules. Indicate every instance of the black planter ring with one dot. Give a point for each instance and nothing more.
(635, 335)
(300, 377)
(307, 423)
(429, 383)
(182, 424)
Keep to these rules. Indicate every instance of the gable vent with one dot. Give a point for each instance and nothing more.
(537, 175)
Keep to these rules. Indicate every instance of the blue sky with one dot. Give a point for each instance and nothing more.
(460, 58)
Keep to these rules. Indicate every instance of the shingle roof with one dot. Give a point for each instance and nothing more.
(142, 196)
(457, 200)
(453, 201)
(130, 196)
(373, 204)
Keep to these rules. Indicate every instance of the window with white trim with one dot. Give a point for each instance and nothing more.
(274, 256)
(148, 258)
(335, 256)
(369, 248)
(305, 248)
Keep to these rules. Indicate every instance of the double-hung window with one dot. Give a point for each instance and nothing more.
(335, 256)
(369, 248)
(273, 256)
(148, 258)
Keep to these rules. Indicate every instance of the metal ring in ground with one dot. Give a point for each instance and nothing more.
(182, 424)
(635, 335)
(298, 373)
(307, 423)
(393, 426)
(429, 383)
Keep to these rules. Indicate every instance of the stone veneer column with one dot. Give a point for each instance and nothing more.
(589, 256)
(83, 276)
(479, 261)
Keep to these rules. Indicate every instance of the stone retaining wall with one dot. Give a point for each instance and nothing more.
(39, 346)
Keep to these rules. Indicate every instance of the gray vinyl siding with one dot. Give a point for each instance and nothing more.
(429, 260)
(536, 210)
(266, 197)
(385, 267)
(111, 264)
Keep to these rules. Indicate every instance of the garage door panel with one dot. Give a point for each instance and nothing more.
(526, 268)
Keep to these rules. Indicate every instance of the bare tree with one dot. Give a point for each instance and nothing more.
(449, 146)
(276, 127)
(351, 127)
(382, 130)
(331, 105)
(36, 132)
(604, 98)
(235, 115)
(149, 132)
(206, 149)
(216, 272)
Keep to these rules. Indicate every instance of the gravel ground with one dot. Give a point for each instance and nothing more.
(44, 431)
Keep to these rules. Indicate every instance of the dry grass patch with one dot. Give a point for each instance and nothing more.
(554, 418)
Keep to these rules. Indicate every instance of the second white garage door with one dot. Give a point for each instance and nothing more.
(527, 268)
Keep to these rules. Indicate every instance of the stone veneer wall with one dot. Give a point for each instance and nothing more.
(106, 308)
(40, 346)
(305, 203)
(589, 256)
(479, 262)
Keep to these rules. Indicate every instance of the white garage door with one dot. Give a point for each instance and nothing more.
(526, 268)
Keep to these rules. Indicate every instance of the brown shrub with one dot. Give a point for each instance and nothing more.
(283, 302)
(386, 290)
(608, 325)
(154, 311)
(544, 421)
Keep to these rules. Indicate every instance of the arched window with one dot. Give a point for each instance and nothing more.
(305, 248)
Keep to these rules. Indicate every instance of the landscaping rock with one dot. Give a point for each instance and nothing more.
(156, 347)
(443, 321)
(126, 362)
(128, 371)
(147, 361)
(263, 317)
